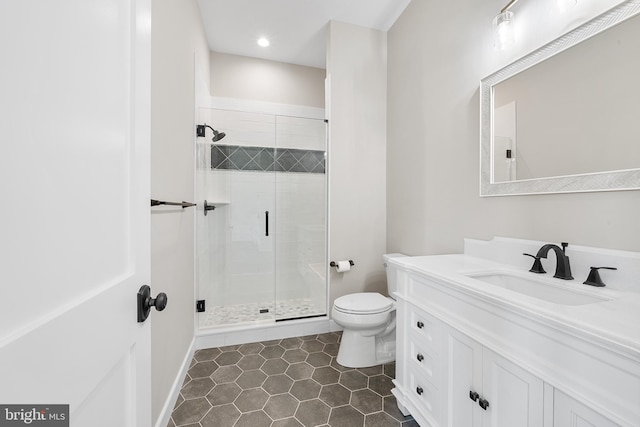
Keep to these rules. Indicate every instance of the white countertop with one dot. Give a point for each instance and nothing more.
(614, 322)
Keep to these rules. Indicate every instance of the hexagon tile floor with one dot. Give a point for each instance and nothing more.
(292, 382)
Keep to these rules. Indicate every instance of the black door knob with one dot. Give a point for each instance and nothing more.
(419, 390)
(159, 302)
(145, 302)
(419, 324)
(420, 357)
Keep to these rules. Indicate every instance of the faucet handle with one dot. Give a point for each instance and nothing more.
(594, 276)
(537, 265)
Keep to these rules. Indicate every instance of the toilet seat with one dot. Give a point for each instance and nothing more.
(363, 303)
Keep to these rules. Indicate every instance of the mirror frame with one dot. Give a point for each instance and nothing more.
(628, 179)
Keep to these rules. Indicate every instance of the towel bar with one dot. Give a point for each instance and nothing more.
(161, 202)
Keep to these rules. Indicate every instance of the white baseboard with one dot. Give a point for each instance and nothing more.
(170, 403)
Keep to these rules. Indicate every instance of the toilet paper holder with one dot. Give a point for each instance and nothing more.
(335, 264)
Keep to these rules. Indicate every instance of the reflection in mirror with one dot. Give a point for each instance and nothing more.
(573, 113)
(567, 116)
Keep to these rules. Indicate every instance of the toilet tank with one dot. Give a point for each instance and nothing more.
(392, 284)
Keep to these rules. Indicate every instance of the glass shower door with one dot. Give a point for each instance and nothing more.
(301, 222)
(261, 254)
(236, 241)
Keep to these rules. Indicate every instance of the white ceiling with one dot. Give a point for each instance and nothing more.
(295, 28)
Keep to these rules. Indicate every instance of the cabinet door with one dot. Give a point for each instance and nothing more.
(569, 412)
(514, 396)
(463, 376)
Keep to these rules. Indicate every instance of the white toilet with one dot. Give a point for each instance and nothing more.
(369, 322)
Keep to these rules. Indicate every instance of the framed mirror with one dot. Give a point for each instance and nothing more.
(566, 117)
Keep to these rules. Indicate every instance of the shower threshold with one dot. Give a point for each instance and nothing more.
(260, 312)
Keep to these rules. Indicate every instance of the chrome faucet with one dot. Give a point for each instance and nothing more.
(563, 269)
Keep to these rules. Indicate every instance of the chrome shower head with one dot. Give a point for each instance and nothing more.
(201, 130)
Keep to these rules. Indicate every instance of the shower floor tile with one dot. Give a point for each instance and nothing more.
(255, 312)
(263, 387)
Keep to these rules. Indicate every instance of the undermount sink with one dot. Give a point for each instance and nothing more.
(537, 288)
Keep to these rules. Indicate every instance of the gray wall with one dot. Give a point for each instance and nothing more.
(177, 35)
(241, 77)
(356, 66)
(438, 53)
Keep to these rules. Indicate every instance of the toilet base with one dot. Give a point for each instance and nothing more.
(358, 351)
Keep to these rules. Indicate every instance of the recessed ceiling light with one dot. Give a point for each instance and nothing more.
(263, 42)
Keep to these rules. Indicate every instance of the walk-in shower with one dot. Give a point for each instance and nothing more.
(261, 253)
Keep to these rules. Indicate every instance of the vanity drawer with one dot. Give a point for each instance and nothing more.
(425, 362)
(424, 329)
(425, 396)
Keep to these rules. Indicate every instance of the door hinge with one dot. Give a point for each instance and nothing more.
(200, 305)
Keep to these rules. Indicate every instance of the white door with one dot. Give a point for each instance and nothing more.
(74, 216)
(504, 138)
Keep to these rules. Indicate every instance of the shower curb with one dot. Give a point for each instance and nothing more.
(254, 332)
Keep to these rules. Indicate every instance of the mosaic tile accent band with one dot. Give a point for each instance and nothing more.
(267, 159)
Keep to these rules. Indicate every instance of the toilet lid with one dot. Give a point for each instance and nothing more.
(364, 302)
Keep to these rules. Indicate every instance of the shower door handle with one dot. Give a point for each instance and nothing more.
(266, 223)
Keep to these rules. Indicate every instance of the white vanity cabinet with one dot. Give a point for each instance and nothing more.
(485, 389)
(450, 379)
(453, 342)
(570, 412)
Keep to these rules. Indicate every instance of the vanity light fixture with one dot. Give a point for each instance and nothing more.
(503, 27)
(263, 41)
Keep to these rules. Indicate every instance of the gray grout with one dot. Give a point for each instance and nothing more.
(193, 411)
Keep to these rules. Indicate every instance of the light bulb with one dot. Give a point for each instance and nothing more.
(262, 41)
(503, 27)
